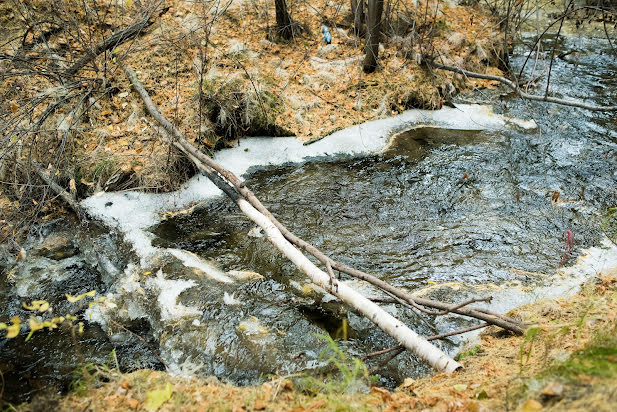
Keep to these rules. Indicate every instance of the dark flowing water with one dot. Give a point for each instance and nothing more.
(438, 206)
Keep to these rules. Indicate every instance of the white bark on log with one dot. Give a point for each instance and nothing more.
(388, 323)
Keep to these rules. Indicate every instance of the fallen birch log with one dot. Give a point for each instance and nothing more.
(184, 145)
(388, 323)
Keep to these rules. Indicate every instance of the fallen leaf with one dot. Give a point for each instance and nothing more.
(12, 330)
(317, 405)
(407, 383)
(460, 387)
(531, 405)
(384, 393)
(157, 398)
(132, 403)
(73, 299)
(259, 405)
(482, 395)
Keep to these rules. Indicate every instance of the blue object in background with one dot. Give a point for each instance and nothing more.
(326, 34)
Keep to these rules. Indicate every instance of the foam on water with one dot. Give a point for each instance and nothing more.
(169, 290)
(133, 212)
(191, 260)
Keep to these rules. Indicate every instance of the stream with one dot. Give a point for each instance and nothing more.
(459, 203)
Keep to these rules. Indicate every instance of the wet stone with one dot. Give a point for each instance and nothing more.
(57, 247)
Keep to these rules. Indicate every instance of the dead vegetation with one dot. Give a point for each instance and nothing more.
(214, 69)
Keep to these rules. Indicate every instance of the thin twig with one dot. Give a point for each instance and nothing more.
(145, 342)
(399, 349)
(111, 42)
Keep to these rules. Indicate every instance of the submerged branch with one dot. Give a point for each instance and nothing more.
(392, 326)
(520, 93)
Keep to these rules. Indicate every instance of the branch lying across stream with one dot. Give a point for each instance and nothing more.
(519, 92)
(389, 324)
(180, 142)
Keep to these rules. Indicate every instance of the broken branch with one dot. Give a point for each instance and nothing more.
(392, 326)
(519, 92)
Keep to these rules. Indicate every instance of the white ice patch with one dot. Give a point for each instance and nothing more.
(169, 290)
(561, 284)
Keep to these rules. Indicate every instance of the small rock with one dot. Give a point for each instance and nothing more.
(57, 247)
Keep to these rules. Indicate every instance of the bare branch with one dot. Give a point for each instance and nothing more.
(520, 93)
(389, 324)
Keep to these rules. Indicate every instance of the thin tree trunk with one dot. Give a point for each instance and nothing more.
(357, 10)
(284, 25)
(371, 47)
(392, 326)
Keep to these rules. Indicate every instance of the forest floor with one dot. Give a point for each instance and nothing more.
(218, 73)
(566, 361)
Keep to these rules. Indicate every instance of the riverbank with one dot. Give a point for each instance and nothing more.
(219, 74)
(566, 361)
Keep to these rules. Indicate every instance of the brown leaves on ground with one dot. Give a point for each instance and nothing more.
(315, 89)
